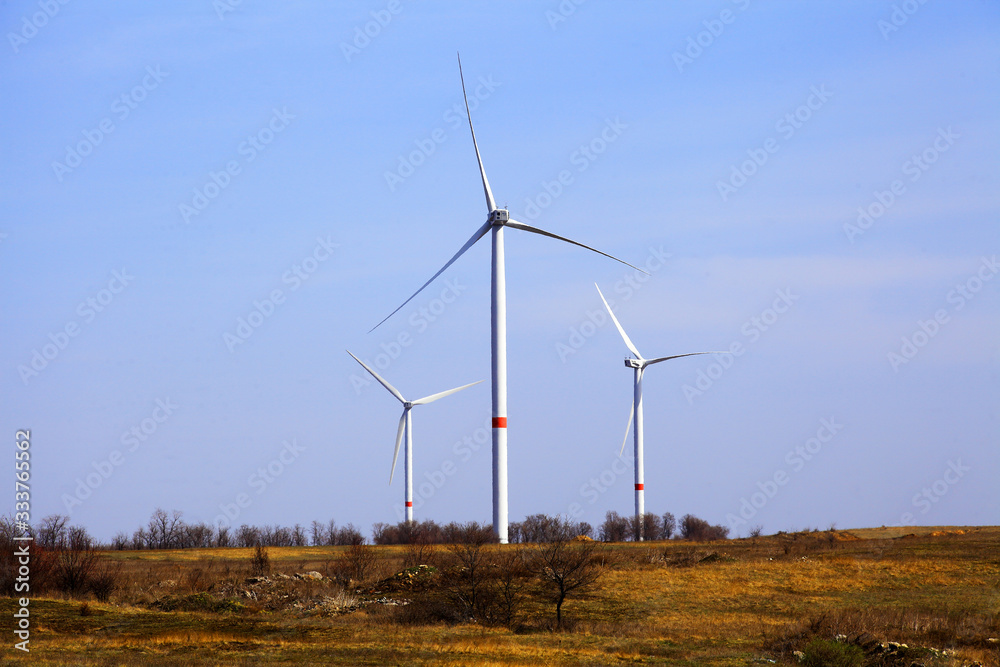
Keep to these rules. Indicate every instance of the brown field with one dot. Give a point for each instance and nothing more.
(737, 602)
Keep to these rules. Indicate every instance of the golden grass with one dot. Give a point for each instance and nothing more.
(655, 604)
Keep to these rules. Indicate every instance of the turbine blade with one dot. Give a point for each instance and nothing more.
(468, 244)
(382, 380)
(399, 439)
(433, 397)
(490, 205)
(631, 411)
(628, 341)
(536, 230)
(678, 356)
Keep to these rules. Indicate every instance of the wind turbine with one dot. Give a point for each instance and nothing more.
(497, 219)
(406, 423)
(638, 364)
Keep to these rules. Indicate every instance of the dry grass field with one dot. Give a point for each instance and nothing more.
(736, 602)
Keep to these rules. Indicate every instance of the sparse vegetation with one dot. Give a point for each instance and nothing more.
(895, 597)
(260, 564)
(825, 653)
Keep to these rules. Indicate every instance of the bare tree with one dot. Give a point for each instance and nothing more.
(120, 542)
(615, 527)
(509, 580)
(247, 536)
(317, 533)
(52, 531)
(299, 536)
(565, 566)
(195, 536)
(668, 526)
(648, 527)
(348, 536)
(473, 569)
(165, 530)
(140, 540)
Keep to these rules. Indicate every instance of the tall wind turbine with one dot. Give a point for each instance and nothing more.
(638, 364)
(497, 219)
(406, 424)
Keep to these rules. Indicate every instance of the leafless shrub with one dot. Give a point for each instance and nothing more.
(481, 581)
(260, 564)
(105, 580)
(360, 560)
(74, 568)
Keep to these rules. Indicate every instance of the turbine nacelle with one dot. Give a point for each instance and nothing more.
(499, 216)
(635, 363)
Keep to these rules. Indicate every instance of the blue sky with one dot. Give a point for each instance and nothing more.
(217, 156)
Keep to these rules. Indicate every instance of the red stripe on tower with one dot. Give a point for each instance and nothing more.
(639, 487)
(409, 503)
(499, 422)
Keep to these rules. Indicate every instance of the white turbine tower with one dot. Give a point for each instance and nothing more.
(496, 221)
(406, 423)
(638, 364)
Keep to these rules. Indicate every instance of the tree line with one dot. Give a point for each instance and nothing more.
(168, 530)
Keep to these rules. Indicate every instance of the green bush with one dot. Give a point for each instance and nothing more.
(822, 653)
